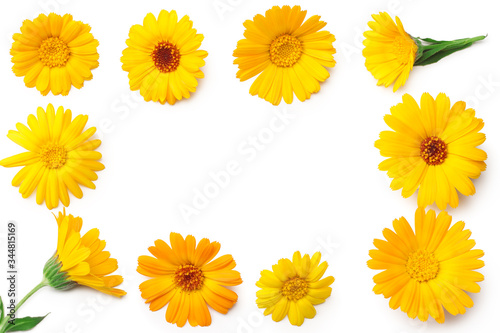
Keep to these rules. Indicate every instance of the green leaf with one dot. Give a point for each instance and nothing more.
(443, 53)
(428, 52)
(24, 324)
(431, 51)
(430, 40)
(1, 308)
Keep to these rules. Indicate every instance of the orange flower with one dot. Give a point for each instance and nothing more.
(186, 278)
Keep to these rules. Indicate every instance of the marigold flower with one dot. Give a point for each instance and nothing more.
(186, 277)
(60, 156)
(53, 53)
(391, 52)
(163, 59)
(81, 260)
(293, 287)
(288, 55)
(432, 148)
(78, 260)
(426, 270)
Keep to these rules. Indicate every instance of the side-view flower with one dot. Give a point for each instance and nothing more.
(79, 260)
(391, 52)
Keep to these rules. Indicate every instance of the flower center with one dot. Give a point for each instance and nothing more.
(422, 265)
(53, 156)
(166, 57)
(188, 278)
(285, 51)
(403, 48)
(294, 289)
(54, 52)
(433, 150)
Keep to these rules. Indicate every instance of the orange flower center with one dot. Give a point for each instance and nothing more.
(188, 278)
(53, 52)
(404, 48)
(422, 266)
(295, 288)
(433, 150)
(285, 51)
(53, 156)
(166, 57)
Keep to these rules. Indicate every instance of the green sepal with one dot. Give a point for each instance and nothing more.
(24, 324)
(55, 277)
(431, 51)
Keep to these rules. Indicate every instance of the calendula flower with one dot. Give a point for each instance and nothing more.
(60, 156)
(293, 287)
(186, 278)
(54, 53)
(78, 260)
(426, 270)
(432, 148)
(288, 55)
(163, 58)
(391, 52)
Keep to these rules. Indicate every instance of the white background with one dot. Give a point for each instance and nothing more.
(314, 186)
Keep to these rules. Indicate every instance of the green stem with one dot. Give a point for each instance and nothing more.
(4, 323)
(28, 295)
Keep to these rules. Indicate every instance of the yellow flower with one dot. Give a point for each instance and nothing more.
(428, 269)
(80, 260)
(391, 52)
(163, 59)
(288, 55)
(294, 287)
(432, 148)
(54, 53)
(186, 278)
(60, 156)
